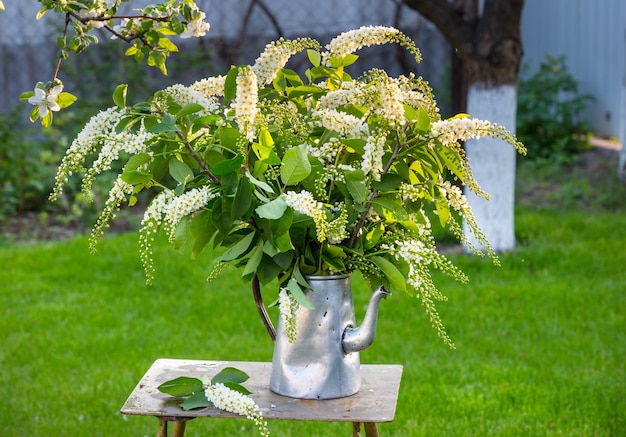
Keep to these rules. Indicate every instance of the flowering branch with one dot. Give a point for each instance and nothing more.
(150, 30)
(371, 197)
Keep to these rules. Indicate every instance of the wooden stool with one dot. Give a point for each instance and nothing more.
(373, 404)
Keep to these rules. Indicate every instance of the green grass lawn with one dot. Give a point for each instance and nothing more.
(541, 340)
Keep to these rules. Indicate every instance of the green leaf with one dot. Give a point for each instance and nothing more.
(27, 95)
(423, 121)
(298, 294)
(239, 248)
(391, 272)
(334, 255)
(181, 386)
(300, 278)
(254, 260)
(238, 388)
(46, 121)
(230, 84)
(356, 185)
(188, 110)
(410, 113)
(388, 182)
(243, 199)
(314, 57)
(157, 59)
(373, 237)
(344, 61)
(391, 210)
(220, 215)
(228, 165)
(262, 185)
(164, 126)
(230, 374)
(180, 171)
(135, 161)
(304, 90)
(272, 210)
(443, 211)
(452, 160)
(119, 95)
(66, 99)
(196, 400)
(135, 177)
(229, 137)
(202, 230)
(292, 77)
(295, 166)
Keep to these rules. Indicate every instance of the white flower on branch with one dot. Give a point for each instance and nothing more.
(46, 101)
(196, 28)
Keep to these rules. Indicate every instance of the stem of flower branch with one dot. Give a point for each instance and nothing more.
(139, 36)
(85, 20)
(370, 200)
(199, 160)
(59, 60)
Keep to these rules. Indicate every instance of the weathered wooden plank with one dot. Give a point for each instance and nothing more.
(375, 402)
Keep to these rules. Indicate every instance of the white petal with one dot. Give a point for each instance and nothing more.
(56, 90)
(35, 100)
(43, 111)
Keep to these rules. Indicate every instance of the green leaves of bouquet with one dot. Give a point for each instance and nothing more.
(291, 175)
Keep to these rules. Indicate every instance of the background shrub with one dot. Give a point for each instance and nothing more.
(549, 112)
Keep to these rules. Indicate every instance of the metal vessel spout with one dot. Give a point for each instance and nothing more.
(357, 339)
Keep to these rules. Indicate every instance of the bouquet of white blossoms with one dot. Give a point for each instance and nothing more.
(294, 174)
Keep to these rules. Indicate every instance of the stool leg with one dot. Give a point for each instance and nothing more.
(162, 428)
(356, 429)
(371, 429)
(179, 429)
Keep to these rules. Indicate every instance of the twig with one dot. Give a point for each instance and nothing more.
(370, 200)
(199, 160)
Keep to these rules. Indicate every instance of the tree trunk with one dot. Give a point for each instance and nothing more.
(485, 35)
(493, 165)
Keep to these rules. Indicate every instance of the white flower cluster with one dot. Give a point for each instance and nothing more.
(114, 143)
(353, 40)
(99, 126)
(117, 195)
(392, 98)
(455, 197)
(337, 231)
(152, 220)
(230, 400)
(373, 156)
(304, 203)
(350, 92)
(411, 192)
(287, 307)
(276, 55)
(211, 86)
(326, 152)
(346, 125)
(411, 251)
(185, 204)
(452, 130)
(246, 101)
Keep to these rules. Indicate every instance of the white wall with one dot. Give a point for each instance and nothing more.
(591, 34)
